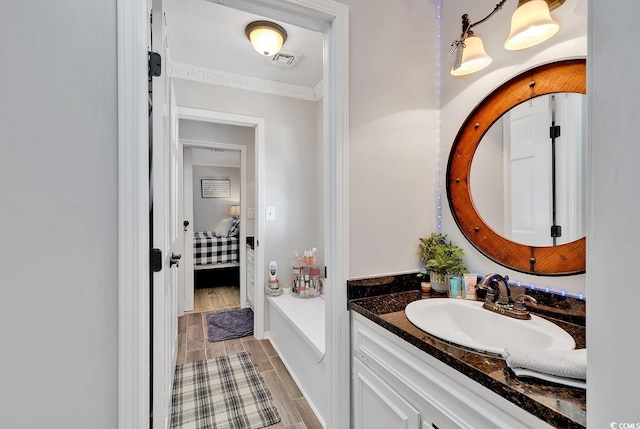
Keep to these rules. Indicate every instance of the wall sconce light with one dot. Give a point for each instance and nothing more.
(531, 24)
(266, 37)
(473, 58)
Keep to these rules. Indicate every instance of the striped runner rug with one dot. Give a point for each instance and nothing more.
(226, 392)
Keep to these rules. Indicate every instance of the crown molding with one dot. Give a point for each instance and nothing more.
(214, 77)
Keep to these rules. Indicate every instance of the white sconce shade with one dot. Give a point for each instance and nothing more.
(474, 57)
(531, 24)
(266, 37)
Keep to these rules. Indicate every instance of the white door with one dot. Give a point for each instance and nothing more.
(570, 166)
(164, 307)
(529, 169)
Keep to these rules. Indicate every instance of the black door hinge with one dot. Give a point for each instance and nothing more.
(556, 231)
(156, 260)
(155, 64)
(554, 131)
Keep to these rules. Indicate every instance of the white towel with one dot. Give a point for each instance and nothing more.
(561, 366)
(520, 372)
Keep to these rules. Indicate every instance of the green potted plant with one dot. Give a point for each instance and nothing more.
(441, 259)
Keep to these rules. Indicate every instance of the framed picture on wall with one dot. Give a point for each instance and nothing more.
(215, 188)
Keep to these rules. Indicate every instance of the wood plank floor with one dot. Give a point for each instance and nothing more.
(193, 344)
(216, 298)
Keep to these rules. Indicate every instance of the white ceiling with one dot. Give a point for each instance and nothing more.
(208, 39)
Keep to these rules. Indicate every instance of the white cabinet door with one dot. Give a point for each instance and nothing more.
(378, 406)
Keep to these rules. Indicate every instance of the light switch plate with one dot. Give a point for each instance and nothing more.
(271, 213)
(251, 213)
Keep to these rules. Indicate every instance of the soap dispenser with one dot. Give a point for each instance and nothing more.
(273, 286)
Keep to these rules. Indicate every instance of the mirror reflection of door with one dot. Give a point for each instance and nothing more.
(512, 172)
(528, 172)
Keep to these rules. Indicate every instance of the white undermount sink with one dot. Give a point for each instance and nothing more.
(467, 324)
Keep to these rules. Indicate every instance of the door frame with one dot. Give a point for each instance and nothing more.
(332, 19)
(242, 149)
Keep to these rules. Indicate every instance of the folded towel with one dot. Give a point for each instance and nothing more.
(520, 372)
(560, 364)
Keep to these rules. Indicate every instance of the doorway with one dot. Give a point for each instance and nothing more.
(213, 220)
(326, 16)
(248, 199)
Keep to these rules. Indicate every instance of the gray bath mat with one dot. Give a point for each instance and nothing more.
(229, 324)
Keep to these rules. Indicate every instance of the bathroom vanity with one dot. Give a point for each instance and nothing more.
(404, 377)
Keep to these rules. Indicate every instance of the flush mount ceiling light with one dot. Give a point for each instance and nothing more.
(531, 24)
(266, 37)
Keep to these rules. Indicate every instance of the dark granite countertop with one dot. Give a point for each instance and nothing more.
(562, 407)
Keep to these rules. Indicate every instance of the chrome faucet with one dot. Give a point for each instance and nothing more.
(499, 299)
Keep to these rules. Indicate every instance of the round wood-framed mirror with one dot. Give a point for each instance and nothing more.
(564, 259)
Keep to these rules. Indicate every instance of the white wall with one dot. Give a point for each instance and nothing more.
(487, 173)
(290, 164)
(393, 139)
(59, 212)
(209, 212)
(393, 136)
(461, 94)
(613, 245)
(199, 131)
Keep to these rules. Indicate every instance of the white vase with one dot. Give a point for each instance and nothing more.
(439, 282)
